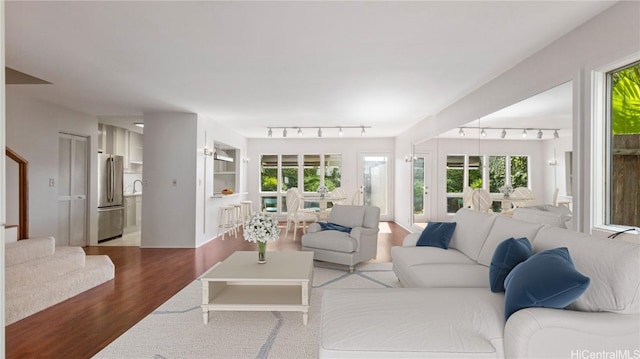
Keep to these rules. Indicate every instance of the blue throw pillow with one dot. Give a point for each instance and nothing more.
(437, 234)
(508, 254)
(548, 279)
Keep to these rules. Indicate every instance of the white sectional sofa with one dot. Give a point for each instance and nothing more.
(448, 311)
(38, 275)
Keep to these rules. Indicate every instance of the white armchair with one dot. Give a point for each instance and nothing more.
(359, 245)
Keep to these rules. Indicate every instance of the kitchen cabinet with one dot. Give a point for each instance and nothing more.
(132, 213)
(135, 148)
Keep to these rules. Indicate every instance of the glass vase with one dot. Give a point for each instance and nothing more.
(262, 251)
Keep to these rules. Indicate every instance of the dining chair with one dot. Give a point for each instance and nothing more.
(466, 197)
(481, 200)
(522, 197)
(337, 192)
(296, 216)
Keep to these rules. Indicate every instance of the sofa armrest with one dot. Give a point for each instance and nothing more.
(411, 240)
(555, 333)
(314, 227)
(360, 232)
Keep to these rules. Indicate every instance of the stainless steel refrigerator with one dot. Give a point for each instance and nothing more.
(110, 197)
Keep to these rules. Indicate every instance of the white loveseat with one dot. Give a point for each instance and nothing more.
(38, 275)
(448, 311)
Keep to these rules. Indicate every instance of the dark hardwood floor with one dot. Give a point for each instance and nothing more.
(145, 278)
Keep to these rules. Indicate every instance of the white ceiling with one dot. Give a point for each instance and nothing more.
(252, 65)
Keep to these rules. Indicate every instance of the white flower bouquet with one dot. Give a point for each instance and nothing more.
(261, 227)
(322, 190)
(506, 190)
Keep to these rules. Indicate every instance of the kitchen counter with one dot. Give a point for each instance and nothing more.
(133, 194)
(220, 195)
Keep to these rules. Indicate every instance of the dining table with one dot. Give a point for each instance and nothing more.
(322, 200)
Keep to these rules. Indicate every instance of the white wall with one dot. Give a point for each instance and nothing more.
(168, 207)
(349, 148)
(207, 208)
(595, 43)
(32, 128)
(2, 185)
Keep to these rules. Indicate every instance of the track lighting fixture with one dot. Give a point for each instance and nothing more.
(320, 129)
(483, 131)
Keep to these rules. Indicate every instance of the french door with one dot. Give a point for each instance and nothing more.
(375, 181)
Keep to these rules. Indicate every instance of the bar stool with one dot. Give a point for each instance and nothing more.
(237, 215)
(227, 221)
(247, 211)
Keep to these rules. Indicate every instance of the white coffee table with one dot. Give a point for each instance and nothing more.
(239, 283)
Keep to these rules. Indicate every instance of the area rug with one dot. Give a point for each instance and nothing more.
(176, 330)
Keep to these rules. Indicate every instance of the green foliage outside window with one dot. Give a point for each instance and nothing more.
(269, 179)
(497, 173)
(625, 100)
(519, 171)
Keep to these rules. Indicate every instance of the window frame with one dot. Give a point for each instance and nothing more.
(601, 139)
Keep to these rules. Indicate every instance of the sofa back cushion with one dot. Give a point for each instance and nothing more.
(371, 217)
(347, 215)
(612, 265)
(544, 214)
(471, 231)
(503, 228)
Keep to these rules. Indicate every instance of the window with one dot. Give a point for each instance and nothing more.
(623, 135)
(278, 173)
(467, 171)
(269, 173)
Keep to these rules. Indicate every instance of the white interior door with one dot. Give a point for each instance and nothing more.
(374, 176)
(421, 188)
(72, 190)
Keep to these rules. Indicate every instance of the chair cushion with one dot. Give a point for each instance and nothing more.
(507, 255)
(348, 216)
(548, 279)
(437, 234)
(330, 240)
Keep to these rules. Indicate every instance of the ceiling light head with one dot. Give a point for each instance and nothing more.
(319, 131)
(299, 131)
(503, 134)
(556, 135)
(284, 132)
(339, 131)
(483, 133)
(270, 133)
(461, 132)
(524, 133)
(539, 134)
(362, 132)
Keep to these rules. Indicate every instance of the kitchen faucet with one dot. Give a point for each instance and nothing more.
(134, 185)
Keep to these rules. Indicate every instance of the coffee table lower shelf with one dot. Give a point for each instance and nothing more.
(221, 296)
